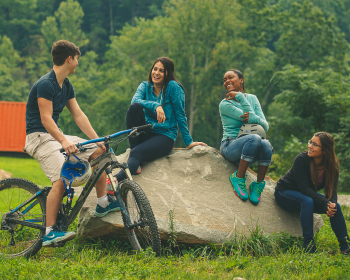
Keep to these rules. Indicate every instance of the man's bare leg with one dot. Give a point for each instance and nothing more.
(101, 182)
(54, 198)
(53, 202)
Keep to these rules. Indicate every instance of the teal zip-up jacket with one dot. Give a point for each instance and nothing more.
(230, 112)
(174, 109)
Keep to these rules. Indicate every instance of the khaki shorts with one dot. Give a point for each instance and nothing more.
(46, 150)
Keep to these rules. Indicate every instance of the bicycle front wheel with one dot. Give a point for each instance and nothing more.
(18, 239)
(144, 233)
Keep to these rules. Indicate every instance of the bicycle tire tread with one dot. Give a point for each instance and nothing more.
(137, 190)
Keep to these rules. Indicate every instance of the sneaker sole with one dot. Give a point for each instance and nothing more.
(105, 213)
(50, 243)
(255, 203)
(56, 244)
(243, 199)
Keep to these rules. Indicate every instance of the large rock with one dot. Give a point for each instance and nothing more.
(4, 174)
(195, 185)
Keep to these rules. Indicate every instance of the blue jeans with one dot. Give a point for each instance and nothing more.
(250, 148)
(295, 201)
(147, 146)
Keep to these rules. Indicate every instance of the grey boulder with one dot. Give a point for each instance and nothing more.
(194, 186)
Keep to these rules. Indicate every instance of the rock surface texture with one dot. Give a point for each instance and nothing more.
(4, 174)
(195, 185)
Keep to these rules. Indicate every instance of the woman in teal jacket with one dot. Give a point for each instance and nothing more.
(237, 109)
(160, 101)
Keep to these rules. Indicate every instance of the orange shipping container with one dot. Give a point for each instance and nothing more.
(12, 126)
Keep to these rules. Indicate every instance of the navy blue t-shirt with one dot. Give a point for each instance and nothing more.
(47, 87)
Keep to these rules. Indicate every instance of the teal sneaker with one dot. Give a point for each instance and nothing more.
(255, 191)
(239, 186)
(111, 207)
(56, 236)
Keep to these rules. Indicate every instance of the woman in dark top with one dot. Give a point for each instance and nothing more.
(313, 170)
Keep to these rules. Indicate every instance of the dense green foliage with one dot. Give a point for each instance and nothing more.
(294, 55)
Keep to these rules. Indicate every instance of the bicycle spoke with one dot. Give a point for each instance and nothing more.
(19, 239)
(145, 232)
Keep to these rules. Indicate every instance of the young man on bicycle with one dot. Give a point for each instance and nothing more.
(47, 98)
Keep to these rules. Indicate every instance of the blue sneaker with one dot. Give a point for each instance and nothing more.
(239, 186)
(112, 206)
(255, 191)
(55, 236)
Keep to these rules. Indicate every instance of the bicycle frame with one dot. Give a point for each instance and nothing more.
(101, 164)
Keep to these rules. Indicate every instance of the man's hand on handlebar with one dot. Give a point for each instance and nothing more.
(69, 147)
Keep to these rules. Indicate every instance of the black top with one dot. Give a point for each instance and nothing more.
(48, 88)
(298, 178)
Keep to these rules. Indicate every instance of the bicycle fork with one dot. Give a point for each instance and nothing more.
(118, 195)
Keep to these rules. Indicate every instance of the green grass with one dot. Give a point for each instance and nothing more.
(259, 256)
(26, 168)
(87, 260)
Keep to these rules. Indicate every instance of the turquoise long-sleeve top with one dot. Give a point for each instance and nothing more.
(230, 112)
(174, 109)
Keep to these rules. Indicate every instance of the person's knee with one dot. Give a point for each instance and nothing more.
(266, 144)
(58, 186)
(99, 151)
(308, 202)
(338, 209)
(266, 147)
(255, 138)
(134, 107)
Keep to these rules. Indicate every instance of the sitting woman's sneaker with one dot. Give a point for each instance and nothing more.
(346, 252)
(255, 191)
(112, 206)
(239, 186)
(57, 235)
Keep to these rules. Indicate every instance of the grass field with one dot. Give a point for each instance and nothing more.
(26, 168)
(259, 256)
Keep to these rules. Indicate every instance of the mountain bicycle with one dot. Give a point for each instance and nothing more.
(23, 206)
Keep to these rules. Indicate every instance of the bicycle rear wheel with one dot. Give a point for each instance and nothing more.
(145, 234)
(16, 239)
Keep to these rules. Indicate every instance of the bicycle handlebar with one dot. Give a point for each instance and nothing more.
(142, 127)
(102, 139)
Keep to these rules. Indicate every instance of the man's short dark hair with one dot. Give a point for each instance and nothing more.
(63, 49)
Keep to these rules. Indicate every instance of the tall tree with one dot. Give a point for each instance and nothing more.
(66, 24)
(13, 85)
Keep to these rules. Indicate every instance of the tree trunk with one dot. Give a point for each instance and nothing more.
(264, 102)
(192, 110)
(111, 17)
